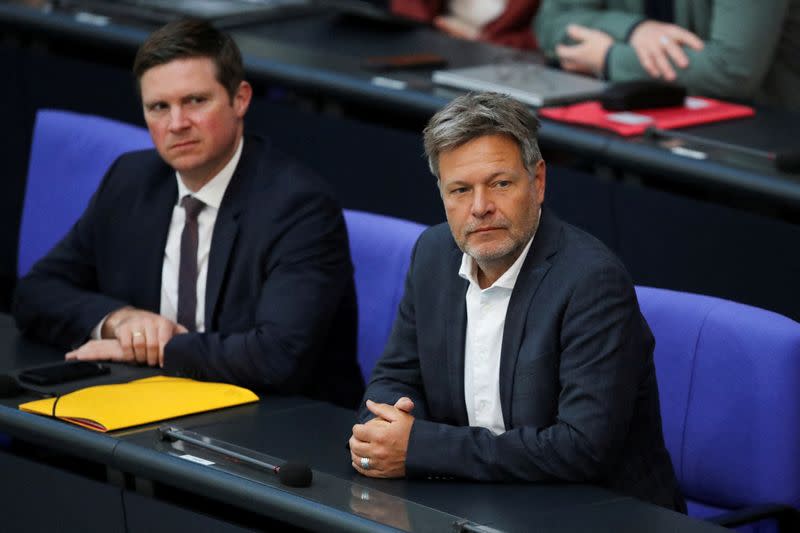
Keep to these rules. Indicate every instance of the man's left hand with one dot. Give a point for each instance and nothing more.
(98, 350)
(383, 440)
(588, 56)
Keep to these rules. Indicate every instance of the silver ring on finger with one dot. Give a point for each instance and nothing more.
(137, 334)
(665, 40)
(364, 463)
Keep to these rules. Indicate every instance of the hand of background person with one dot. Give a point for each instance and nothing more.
(456, 28)
(588, 56)
(383, 440)
(659, 46)
(141, 334)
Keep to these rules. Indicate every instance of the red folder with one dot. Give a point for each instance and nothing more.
(696, 110)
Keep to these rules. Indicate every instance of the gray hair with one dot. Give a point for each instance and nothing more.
(474, 115)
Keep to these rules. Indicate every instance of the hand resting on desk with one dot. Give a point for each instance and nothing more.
(383, 440)
(130, 335)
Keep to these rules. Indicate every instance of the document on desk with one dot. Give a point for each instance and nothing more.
(110, 407)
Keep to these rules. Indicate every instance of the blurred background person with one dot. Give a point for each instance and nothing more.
(723, 48)
(503, 22)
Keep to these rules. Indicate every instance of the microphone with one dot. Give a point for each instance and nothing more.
(785, 161)
(9, 387)
(290, 473)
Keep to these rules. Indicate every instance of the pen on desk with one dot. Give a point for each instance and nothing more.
(787, 161)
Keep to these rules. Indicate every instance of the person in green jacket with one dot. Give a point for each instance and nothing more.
(735, 49)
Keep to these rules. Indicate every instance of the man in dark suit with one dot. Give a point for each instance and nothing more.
(519, 351)
(215, 257)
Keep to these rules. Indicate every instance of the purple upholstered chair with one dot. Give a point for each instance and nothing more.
(70, 153)
(381, 250)
(729, 382)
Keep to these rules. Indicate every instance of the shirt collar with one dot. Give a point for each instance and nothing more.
(469, 269)
(212, 192)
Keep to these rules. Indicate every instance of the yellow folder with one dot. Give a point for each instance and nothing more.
(110, 407)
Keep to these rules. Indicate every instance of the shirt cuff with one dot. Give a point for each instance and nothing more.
(606, 62)
(97, 332)
(633, 29)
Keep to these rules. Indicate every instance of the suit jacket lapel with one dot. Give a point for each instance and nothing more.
(533, 271)
(226, 228)
(158, 203)
(456, 330)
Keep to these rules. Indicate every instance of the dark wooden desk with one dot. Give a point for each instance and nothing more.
(324, 54)
(722, 226)
(62, 477)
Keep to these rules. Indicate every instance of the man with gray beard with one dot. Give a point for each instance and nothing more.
(519, 352)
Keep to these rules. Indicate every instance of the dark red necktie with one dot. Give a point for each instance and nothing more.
(187, 274)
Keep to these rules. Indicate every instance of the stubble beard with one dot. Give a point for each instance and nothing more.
(507, 251)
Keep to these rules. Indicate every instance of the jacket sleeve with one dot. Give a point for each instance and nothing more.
(58, 301)
(398, 373)
(737, 54)
(554, 16)
(605, 349)
(298, 297)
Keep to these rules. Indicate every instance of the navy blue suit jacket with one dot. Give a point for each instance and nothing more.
(280, 300)
(577, 382)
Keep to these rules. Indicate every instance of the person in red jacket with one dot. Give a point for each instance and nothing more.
(503, 22)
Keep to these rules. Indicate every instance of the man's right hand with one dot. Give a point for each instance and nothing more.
(142, 335)
(658, 45)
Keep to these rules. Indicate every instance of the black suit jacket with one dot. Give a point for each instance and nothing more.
(577, 383)
(280, 300)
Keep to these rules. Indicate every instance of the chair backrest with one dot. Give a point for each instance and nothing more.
(729, 383)
(70, 153)
(381, 249)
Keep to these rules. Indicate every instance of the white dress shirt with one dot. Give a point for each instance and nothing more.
(477, 13)
(486, 317)
(211, 194)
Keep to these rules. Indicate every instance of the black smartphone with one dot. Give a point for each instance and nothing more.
(63, 372)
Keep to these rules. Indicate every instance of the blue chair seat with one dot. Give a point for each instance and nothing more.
(729, 384)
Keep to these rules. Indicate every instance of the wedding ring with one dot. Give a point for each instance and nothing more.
(137, 334)
(365, 463)
(665, 40)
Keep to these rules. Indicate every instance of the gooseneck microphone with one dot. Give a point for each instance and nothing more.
(290, 473)
(785, 161)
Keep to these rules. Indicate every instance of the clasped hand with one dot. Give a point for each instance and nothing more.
(383, 440)
(130, 335)
(658, 46)
(656, 43)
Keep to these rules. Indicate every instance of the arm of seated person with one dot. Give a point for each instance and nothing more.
(731, 62)
(306, 277)
(606, 348)
(130, 335)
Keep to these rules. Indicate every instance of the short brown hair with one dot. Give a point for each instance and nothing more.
(187, 38)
